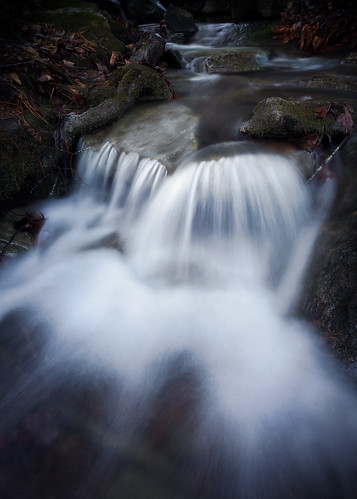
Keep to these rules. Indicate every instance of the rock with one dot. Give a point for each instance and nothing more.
(148, 129)
(151, 50)
(20, 241)
(329, 298)
(277, 118)
(340, 82)
(94, 25)
(134, 82)
(350, 59)
(249, 10)
(194, 6)
(233, 62)
(144, 11)
(180, 21)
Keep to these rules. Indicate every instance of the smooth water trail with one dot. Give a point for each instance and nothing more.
(177, 289)
(196, 284)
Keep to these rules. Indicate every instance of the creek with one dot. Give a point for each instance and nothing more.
(149, 342)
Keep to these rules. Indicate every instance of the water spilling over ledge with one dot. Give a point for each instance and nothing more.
(147, 349)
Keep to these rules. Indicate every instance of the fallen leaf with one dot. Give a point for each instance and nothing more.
(68, 64)
(113, 58)
(31, 51)
(320, 112)
(43, 78)
(13, 77)
(102, 67)
(345, 121)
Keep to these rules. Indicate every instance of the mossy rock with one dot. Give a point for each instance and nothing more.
(233, 62)
(97, 95)
(278, 118)
(92, 24)
(135, 82)
(143, 83)
(330, 81)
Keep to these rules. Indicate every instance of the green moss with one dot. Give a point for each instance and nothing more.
(277, 117)
(94, 25)
(143, 82)
(117, 29)
(97, 95)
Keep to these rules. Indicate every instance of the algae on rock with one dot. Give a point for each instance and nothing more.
(277, 118)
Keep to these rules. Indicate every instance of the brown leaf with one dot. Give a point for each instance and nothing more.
(113, 58)
(13, 77)
(320, 112)
(102, 67)
(44, 78)
(31, 51)
(68, 64)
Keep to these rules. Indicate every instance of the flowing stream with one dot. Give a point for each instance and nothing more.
(153, 351)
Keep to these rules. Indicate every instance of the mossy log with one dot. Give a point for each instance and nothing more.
(136, 82)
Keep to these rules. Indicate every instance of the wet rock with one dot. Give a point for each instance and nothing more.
(277, 118)
(350, 59)
(147, 129)
(329, 298)
(340, 82)
(12, 240)
(151, 50)
(97, 26)
(144, 11)
(180, 21)
(233, 62)
(194, 6)
(249, 10)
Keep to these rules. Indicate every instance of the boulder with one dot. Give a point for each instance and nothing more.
(97, 26)
(194, 6)
(144, 11)
(233, 62)
(277, 118)
(151, 50)
(180, 21)
(12, 240)
(148, 129)
(331, 81)
(249, 10)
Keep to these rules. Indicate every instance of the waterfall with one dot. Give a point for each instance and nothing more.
(182, 314)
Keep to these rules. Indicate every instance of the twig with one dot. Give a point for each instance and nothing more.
(327, 160)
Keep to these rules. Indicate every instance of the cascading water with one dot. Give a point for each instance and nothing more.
(173, 355)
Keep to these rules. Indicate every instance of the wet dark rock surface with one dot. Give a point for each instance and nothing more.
(329, 297)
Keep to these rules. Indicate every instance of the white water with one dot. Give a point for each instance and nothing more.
(210, 262)
(199, 277)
